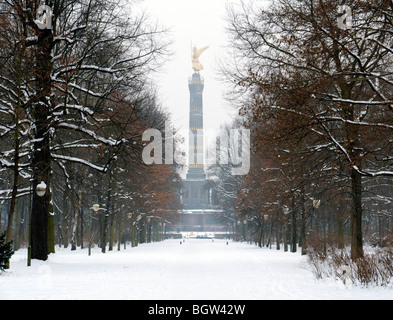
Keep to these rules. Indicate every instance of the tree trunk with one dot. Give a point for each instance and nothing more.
(9, 233)
(134, 232)
(260, 244)
(353, 149)
(285, 238)
(119, 233)
(76, 220)
(104, 218)
(112, 228)
(65, 222)
(17, 147)
(41, 160)
(111, 232)
(356, 216)
(82, 224)
(303, 235)
(294, 227)
(51, 228)
(39, 225)
(340, 224)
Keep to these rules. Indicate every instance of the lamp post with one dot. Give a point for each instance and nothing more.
(245, 230)
(41, 189)
(95, 208)
(316, 203)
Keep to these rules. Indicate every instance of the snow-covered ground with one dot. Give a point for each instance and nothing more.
(197, 269)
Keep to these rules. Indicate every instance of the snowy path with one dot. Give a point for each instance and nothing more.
(197, 269)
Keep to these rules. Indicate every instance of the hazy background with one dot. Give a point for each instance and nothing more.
(201, 22)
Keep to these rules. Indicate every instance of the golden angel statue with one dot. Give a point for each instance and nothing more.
(196, 53)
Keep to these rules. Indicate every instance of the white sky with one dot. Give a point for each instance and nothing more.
(203, 23)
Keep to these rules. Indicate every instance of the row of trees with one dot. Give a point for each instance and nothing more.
(75, 98)
(318, 98)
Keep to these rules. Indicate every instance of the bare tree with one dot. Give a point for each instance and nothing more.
(299, 66)
(83, 54)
